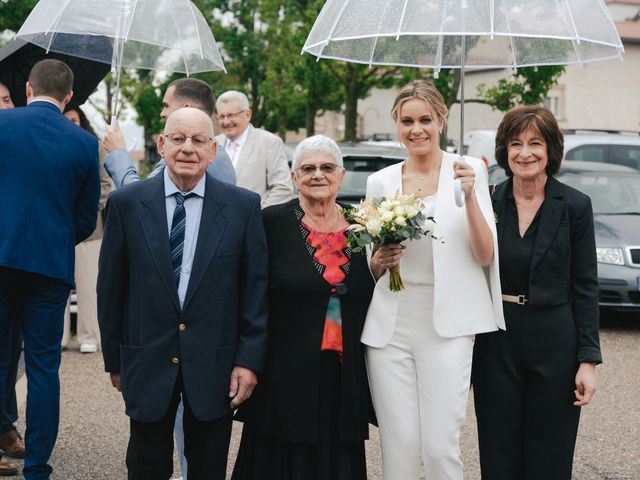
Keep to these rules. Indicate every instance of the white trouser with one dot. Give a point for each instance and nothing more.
(86, 276)
(419, 384)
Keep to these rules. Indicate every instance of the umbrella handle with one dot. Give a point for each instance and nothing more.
(459, 194)
(457, 187)
(113, 120)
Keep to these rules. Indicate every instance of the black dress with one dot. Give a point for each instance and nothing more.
(308, 416)
(524, 377)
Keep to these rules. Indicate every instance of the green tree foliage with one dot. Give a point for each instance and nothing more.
(13, 13)
(528, 86)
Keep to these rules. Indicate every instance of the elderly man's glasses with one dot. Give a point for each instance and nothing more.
(230, 116)
(198, 141)
(325, 169)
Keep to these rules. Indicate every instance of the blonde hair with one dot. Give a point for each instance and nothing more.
(425, 91)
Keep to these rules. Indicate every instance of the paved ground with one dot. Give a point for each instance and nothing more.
(93, 427)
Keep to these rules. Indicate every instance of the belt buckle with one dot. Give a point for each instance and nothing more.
(522, 299)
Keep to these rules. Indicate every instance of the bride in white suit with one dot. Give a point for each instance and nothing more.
(420, 340)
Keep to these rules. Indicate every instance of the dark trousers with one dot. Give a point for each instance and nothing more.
(39, 303)
(9, 414)
(523, 382)
(150, 451)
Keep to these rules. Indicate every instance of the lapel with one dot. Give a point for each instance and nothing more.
(444, 199)
(550, 216)
(499, 202)
(246, 152)
(212, 226)
(155, 229)
(393, 182)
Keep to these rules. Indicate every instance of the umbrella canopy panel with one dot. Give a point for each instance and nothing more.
(18, 57)
(497, 33)
(165, 35)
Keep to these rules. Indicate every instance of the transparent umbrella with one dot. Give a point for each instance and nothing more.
(162, 35)
(465, 34)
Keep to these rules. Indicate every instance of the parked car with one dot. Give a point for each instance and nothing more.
(615, 196)
(607, 146)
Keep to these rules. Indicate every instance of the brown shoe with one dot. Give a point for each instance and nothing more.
(8, 469)
(12, 444)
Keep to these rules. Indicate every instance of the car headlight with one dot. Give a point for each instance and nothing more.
(614, 256)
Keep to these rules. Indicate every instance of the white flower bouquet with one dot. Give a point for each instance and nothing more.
(382, 221)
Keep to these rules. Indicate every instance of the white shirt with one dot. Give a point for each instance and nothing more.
(193, 212)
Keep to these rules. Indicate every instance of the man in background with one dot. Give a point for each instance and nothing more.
(258, 156)
(49, 190)
(184, 92)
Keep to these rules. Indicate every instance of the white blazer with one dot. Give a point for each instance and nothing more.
(467, 297)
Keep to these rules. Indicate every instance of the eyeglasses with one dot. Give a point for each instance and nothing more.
(325, 169)
(230, 116)
(198, 141)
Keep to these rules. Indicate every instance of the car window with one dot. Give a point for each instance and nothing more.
(588, 153)
(358, 169)
(610, 194)
(627, 155)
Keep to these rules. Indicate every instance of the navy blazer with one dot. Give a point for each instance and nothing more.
(564, 268)
(224, 316)
(49, 189)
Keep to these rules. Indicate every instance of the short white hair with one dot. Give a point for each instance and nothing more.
(234, 96)
(316, 144)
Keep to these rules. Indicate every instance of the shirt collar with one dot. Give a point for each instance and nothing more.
(241, 140)
(40, 99)
(171, 189)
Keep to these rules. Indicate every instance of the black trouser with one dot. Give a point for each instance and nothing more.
(523, 383)
(10, 408)
(150, 451)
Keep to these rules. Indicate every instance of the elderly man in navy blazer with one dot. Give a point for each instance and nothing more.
(49, 191)
(182, 303)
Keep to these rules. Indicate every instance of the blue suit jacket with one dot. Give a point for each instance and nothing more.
(224, 315)
(49, 189)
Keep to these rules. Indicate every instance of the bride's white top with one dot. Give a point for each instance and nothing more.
(467, 297)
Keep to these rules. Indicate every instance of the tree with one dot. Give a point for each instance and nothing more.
(13, 13)
(528, 86)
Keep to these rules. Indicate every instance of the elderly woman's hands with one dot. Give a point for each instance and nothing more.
(464, 172)
(586, 384)
(385, 258)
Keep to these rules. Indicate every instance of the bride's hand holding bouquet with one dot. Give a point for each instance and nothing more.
(383, 223)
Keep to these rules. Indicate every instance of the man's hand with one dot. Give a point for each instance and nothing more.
(115, 381)
(113, 138)
(243, 382)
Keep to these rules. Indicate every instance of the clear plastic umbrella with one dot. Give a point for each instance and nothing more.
(163, 35)
(465, 34)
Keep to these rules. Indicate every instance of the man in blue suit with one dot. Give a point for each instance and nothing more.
(49, 190)
(182, 303)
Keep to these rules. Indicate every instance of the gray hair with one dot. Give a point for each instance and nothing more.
(234, 96)
(316, 144)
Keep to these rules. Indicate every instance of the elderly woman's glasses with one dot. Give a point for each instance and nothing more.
(325, 169)
(198, 141)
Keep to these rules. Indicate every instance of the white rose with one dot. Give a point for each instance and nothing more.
(400, 221)
(399, 211)
(386, 215)
(411, 212)
(374, 226)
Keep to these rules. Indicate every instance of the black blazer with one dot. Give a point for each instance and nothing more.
(285, 402)
(564, 266)
(224, 315)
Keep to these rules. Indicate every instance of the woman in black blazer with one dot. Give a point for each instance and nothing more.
(308, 417)
(531, 380)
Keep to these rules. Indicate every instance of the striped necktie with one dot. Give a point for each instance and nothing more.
(176, 237)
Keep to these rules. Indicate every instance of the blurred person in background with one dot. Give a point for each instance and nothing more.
(531, 380)
(86, 268)
(11, 443)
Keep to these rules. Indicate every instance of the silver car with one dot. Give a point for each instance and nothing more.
(615, 196)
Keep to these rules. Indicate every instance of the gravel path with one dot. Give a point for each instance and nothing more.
(94, 430)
